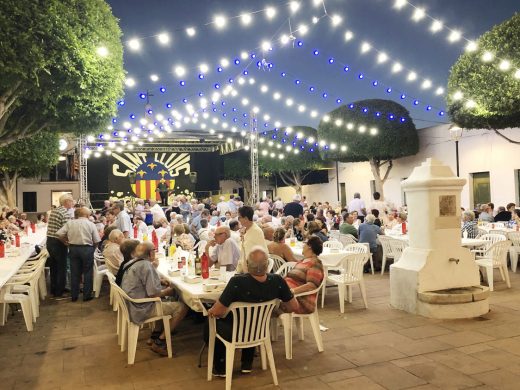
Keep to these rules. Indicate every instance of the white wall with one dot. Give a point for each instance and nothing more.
(44, 190)
(479, 151)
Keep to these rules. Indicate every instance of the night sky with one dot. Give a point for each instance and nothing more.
(374, 21)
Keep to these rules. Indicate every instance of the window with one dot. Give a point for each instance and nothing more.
(481, 188)
(29, 202)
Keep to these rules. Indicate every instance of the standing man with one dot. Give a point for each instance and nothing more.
(294, 208)
(82, 236)
(358, 205)
(123, 222)
(162, 189)
(251, 235)
(57, 249)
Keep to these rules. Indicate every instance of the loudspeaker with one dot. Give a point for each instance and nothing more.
(193, 177)
(132, 177)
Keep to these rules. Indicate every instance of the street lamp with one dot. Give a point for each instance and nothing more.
(455, 135)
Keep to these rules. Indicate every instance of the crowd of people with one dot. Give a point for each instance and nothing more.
(232, 235)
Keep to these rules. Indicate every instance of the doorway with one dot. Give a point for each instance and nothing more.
(342, 194)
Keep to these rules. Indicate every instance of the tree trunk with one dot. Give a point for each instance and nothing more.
(7, 187)
(375, 166)
(294, 179)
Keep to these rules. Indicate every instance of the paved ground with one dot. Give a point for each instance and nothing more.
(74, 346)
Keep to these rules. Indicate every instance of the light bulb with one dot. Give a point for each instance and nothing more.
(154, 78)
(382, 57)
(246, 19)
(439, 91)
(418, 14)
(163, 38)
(294, 6)
(412, 76)
(426, 84)
(102, 51)
(270, 12)
(220, 21)
(336, 20)
(471, 46)
(349, 35)
(504, 65)
(454, 36)
(487, 56)
(179, 71)
(129, 82)
(397, 67)
(203, 68)
(190, 31)
(399, 4)
(134, 44)
(365, 47)
(458, 95)
(224, 62)
(303, 29)
(436, 26)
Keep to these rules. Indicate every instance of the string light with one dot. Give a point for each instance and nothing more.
(191, 32)
(163, 38)
(220, 21)
(134, 44)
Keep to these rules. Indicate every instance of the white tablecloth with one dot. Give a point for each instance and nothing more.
(190, 293)
(466, 242)
(9, 265)
(489, 227)
(329, 257)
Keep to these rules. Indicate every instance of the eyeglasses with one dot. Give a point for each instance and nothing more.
(218, 234)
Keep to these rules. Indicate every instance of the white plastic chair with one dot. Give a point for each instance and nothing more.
(351, 274)
(347, 239)
(270, 265)
(334, 235)
(99, 274)
(514, 251)
(251, 323)
(6, 297)
(333, 244)
(496, 257)
(287, 322)
(130, 331)
(277, 262)
(397, 248)
(490, 240)
(362, 247)
(285, 268)
(27, 282)
(387, 251)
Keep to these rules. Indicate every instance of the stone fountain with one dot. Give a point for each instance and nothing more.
(436, 277)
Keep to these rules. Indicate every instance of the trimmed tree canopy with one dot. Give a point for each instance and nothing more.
(370, 136)
(53, 74)
(496, 93)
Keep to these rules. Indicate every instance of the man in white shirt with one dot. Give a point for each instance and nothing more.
(157, 211)
(204, 231)
(222, 206)
(358, 205)
(379, 205)
(223, 250)
(123, 222)
(252, 236)
(278, 204)
(275, 221)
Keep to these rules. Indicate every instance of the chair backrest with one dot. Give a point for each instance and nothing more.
(277, 262)
(491, 239)
(397, 248)
(352, 265)
(251, 321)
(514, 237)
(121, 297)
(481, 232)
(357, 248)
(270, 266)
(385, 244)
(334, 234)
(498, 252)
(503, 232)
(498, 224)
(333, 244)
(347, 239)
(285, 268)
(201, 244)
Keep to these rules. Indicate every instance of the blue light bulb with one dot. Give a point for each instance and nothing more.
(219, 69)
(182, 83)
(331, 60)
(121, 102)
(283, 74)
(365, 110)
(361, 76)
(338, 101)
(114, 120)
(391, 117)
(351, 106)
(297, 82)
(237, 61)
(441, 113)
(403, 96)
(315, 52)
(402, 120)
(201, 94)
(132, 116)
(201, 76)
(217, 86)
(142, 96)
(378, 114)
(185, 100)
(346, 69)
(231, 81)
(299, 43)
(324, 95)
(428, 108)
(388, 90)
(223, 103)
(245, 72)
(415, 102)
(150, 112)
(312, 89)
(162, 90)
(375, 83)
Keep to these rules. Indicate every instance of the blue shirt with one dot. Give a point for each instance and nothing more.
(368, 233)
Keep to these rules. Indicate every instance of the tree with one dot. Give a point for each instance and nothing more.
(379, 134)
(490, 97)
(293, 168)
(61, 66)
(28, 157)
(237, 167)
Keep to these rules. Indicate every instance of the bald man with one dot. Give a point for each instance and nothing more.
(224, 252)
(81, 235)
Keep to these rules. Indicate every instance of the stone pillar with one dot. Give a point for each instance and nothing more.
(434, 259)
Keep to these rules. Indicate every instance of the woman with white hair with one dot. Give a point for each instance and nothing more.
(112, 253)
(368, 234)
(469, 225)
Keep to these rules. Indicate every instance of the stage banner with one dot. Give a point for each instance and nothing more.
(143, 171)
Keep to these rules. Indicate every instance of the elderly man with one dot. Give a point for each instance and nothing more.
(204, 231)
(252, 236)
(157, 212)
(486, 214)
(195, 222)
(225, 252)
(82, 236)
(254, 286)
(141, 280)
(57, 249)
(222, 206)
(357, 204)
(122, 222)
(112, 253)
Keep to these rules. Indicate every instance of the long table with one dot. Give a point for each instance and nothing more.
(465, 242)
(9, 265)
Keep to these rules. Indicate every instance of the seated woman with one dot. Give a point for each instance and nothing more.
(307, 275)
(182, 237)
(469, 225)
(314, 230)
(278, 246)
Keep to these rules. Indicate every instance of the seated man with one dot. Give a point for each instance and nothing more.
(234, 226)
(141, 280)
(254, 286)
(204, 230)
(347, 226)
(226, 251)
(111, 253)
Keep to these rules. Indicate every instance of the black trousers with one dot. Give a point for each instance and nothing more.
(224, 329)
(58, 265)
(164, 198)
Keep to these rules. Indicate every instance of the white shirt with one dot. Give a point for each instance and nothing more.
(276, 222)
(80, 231)
(254, 236)
(226, 254)
(278, 205)
(203, 234)
(157, 212)
(356, 204)
(236, 236)
(123, 222)
(380, 206)
(222, 207)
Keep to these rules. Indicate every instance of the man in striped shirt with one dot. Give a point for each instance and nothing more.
(57, 249)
